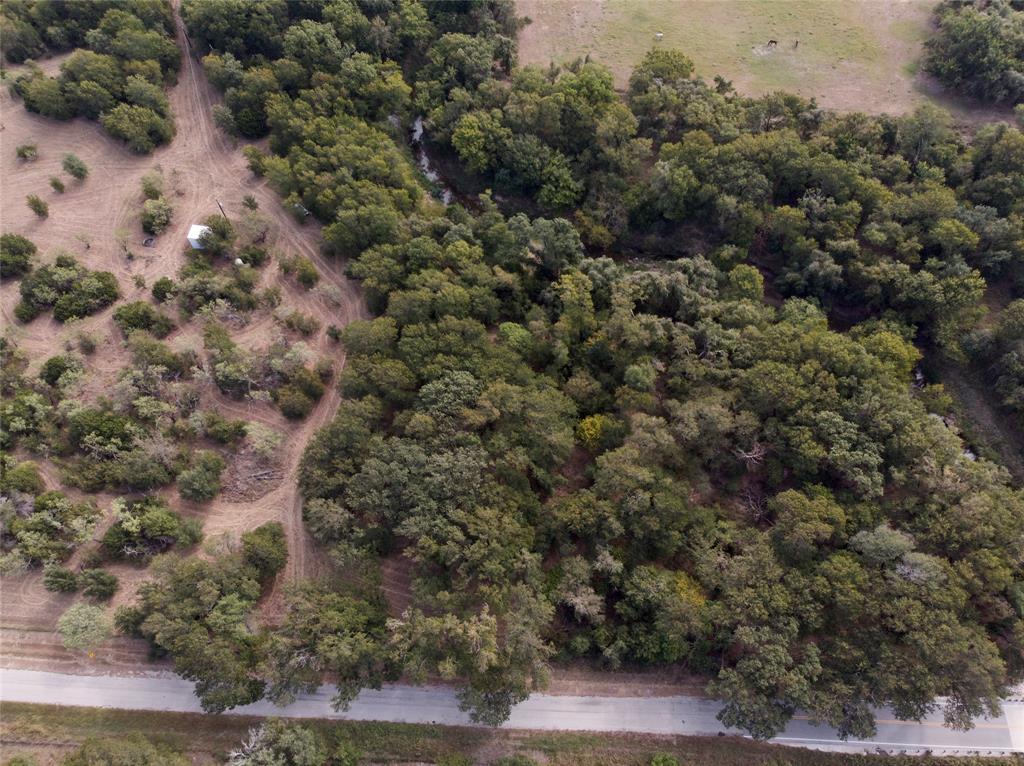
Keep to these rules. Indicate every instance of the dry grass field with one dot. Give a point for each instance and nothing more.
(852, 55)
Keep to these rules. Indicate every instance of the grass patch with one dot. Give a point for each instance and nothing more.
(843, 53)
(49, 730)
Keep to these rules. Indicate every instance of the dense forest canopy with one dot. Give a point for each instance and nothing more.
(650, 399)
(979, 48)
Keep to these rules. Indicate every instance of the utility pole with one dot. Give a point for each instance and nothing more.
(221, 208)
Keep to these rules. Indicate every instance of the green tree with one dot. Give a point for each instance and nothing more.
(200, 483)
(265, 549)
(97, 583)
(156, 215)
(16, 255)
(83, 627)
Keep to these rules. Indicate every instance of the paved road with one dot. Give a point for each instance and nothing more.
(657, 715)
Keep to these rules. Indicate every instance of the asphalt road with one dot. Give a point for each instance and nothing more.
(656, 715)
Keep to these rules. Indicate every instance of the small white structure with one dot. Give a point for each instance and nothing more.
(195, 232)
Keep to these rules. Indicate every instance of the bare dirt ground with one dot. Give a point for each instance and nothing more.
(203, 167)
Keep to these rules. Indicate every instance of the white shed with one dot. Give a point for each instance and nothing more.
(194, 233)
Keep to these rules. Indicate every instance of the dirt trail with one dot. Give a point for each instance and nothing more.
(201, 167)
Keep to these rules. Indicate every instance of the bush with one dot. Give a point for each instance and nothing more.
(978, 49)
(27, 152)
(55, 367)
(255, 159)
(139, 315)
(20, 477)
(86, 343)
(220, 238)
(303, 269)
(56, 184)
(147, 350)
(59, 579)
(74, 167)
(138, 126)
(303, 323)
(293, 403)
(253, 255)
(265, 548)
(201, 482)
(664, 759)
(72, 290)
(153, 184)
(98, 584)
(156, 215)
(83, 626)
(223, 430)
(95, 291)
(163, 289)
(146, 527)
(125, 750)
(37, 206)
(16, 254)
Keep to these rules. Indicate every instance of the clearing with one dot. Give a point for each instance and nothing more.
(93, 220)
(858, 55)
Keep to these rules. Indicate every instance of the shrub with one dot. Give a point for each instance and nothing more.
(138, 126)
(255, 159)
(303, 323)
(98, 584)
(86, 343)
(74, 167)
(163, 289)
(303, 269)
(219, 238)
(83, 626)
(223, 430)
(59, 579)
(95, 291)
(324, 369)
(72, 290)
(147, 527)
(139, 315)
(37, 206)
(664, 759)
(265, 548)
(250, 202)
(55, 367)
(156, 215)
(253, 255)
(20, 477)
(16, 254)
(52, 529)
(201, 482)
(125, 750)
(147, 350)
(56, 184)
(293, 403)
(153, 184)
(27, 152)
